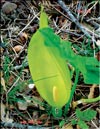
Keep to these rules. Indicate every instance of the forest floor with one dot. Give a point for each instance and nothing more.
(22, 106)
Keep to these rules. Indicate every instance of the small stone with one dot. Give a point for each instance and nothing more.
(8, 7)
(31, 86)
(98, 43)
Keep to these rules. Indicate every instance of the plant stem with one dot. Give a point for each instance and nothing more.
(72, 92)
(90, 100)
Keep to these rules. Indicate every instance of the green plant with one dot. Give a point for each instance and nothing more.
(6, 68)
(83, 117)
(48, 69)
(47, 55)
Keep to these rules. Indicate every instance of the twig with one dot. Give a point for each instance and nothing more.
(20, 66)
(28, 23)
(94, 19)
(91, 32)
(72, 33)
(90, 9)
(65, 25)
(21, 126)
(93, 44)
(95, 24)
(60, 12)
(66, 9)
(95, 125)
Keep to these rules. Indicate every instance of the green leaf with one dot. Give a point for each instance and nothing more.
(47, 55)
(89, 66)
(73, 122)
(86, 115)
(48, 69)
(43, 19)
(92, 74)
(89, 114)
(79, 114)
(61, 124)
(82, 124)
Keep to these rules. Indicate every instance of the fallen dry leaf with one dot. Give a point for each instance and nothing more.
(48, 122)
(2, 111)
(35, 114)
(1, 74)
(3, 83)
(11, 79)
(4, 115)
(77, 127)
(91, 93)
(1, 50)
(74, 104)
(68, 126)
(23, 37)
(18, 48)
(98, 110)
(43, 117)
(98, 56)
(22, 105)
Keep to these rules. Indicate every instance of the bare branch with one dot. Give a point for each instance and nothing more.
(73, 19)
